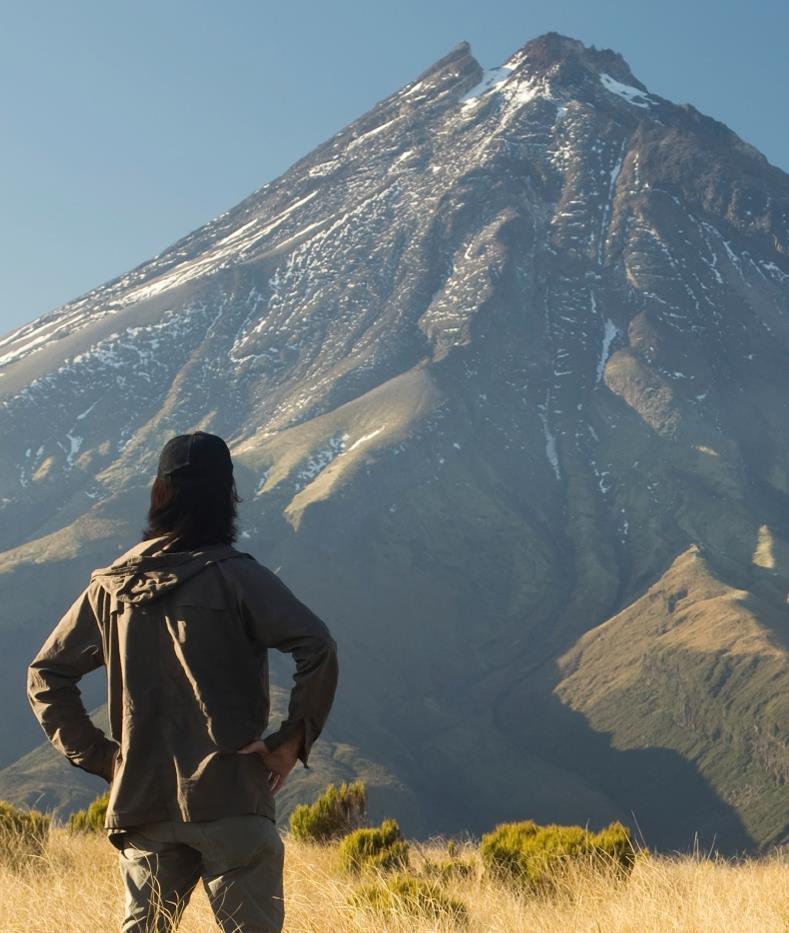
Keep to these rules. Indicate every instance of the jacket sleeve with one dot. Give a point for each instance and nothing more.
(72, 649)
(275, 618)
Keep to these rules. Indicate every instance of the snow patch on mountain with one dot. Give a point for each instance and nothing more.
(75, 445)
(610, 332)
(325, 168)
(364, 438)
(370, 134)
(616, 170)
(550, 439)
(229, 249)
(492, 80)
(47, 329)
(631, 94)
(319, 460)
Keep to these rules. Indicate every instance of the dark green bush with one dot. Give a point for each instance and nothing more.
(377, 847)
(413, 895)
(534, 855)
(334, 814)
(91, 819)
(23, 834)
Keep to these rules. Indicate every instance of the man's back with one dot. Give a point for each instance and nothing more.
(184, 635)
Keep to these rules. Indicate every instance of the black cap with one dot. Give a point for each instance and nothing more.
(198, 454)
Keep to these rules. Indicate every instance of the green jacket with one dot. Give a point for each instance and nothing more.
(184, 636)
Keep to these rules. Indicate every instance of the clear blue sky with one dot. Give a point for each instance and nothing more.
(127, 124)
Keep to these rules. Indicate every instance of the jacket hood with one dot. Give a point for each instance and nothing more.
(151, 568)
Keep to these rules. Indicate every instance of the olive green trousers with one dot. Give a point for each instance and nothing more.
(239, 859)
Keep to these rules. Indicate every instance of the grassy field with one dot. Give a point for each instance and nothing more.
(75, 887)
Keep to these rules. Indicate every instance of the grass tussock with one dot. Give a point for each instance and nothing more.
(72, 884)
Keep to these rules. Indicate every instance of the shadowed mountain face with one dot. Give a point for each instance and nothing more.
(503, 367)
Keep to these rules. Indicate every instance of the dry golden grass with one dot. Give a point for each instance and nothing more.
(75, 887)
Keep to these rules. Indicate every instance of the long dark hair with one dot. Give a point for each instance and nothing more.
(196, 511)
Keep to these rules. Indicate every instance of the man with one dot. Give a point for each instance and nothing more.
(183, 622)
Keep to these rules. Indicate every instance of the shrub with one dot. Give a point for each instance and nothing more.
(91, 819)
(334, 814)
(413, 895)
(23, 834)
(615, 845)
(379, 847)
(448, 869)
(533, 855)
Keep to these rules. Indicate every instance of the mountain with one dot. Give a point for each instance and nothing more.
(503, 367)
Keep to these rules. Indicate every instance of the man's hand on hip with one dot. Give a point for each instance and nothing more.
(280, 762)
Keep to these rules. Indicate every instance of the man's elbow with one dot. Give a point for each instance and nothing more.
(331, 652)
(36, 691)
(33, 683)
(40, 685)
(318, 650)
(326, 654)
(323, 641)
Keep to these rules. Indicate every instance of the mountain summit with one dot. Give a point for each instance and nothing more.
(503, 367)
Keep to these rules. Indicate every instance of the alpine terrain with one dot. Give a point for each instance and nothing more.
(504, 368)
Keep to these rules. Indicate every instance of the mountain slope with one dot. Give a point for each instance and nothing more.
(493, 361)
(696, 642)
